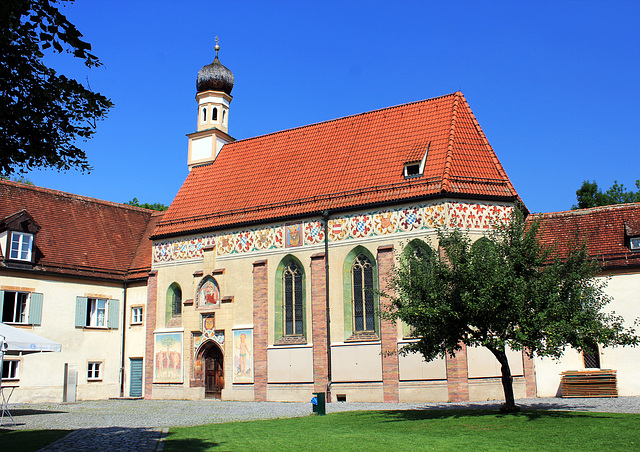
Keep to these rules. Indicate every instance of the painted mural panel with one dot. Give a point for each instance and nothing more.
(209, 294)
(243, 356)
(167, 358)
(293, 235)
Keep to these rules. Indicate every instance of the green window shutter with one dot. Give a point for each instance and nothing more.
(114, 313)
(35, 309)
(81, 311)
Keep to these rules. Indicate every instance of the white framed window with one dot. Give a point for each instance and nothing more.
(97, 312)
(634, 243)
(15, 308)
(20, 307)
(21, 245)
(10, 369)
(94, 370)
(136, 315)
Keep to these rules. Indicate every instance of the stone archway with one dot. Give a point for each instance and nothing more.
(211, 358)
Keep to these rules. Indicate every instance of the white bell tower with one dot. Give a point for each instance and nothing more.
(214, 86)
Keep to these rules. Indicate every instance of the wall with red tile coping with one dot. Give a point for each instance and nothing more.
(319, 323)
(458, 376)
(260, 329)
(152, 301)
(388, 331)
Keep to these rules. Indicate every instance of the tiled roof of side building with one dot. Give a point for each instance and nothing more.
(141, 263)
(356, 161)
(82, 236)
(607, 231)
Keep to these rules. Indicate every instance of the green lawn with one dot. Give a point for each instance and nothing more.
(454, 430)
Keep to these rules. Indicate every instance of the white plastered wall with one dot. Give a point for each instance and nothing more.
(42, 374)
(624, 288)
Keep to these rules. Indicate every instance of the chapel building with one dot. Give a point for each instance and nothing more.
(266, 265)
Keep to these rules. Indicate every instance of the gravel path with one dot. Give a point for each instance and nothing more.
(139, 425)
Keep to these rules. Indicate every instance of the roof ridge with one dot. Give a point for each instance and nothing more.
(589, 210)
(364, 113)
(72, 195)
(452, 131)
(494, 157)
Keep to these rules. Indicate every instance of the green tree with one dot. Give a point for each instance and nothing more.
(589, 195)
(505, 290)
(146, 205)
(43, 113)
(21, 179)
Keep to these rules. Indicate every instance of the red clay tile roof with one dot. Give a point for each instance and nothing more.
(83, 236)
(606, 230)
(352, 162)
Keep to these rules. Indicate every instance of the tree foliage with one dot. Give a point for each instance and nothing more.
(43, 113)
(146, 205)
(504, 290)
(589, 195)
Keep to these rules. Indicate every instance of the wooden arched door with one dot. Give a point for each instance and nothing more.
(213, 371)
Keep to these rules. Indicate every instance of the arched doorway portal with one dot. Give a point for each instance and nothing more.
(213, 359)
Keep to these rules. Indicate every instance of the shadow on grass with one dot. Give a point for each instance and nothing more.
(189, 444)
(529, 413)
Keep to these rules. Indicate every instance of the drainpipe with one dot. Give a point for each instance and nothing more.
(325, 215)
(124, 329)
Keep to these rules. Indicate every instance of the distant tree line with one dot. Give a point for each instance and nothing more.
(155, 206)
(590, 195)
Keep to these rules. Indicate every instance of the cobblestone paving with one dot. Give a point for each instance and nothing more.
(111, 439)
(140, 425)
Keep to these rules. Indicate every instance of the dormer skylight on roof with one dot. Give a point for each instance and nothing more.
(412, 170)
(416, 168)
(21, 245)
(17, 233)
(634, 243)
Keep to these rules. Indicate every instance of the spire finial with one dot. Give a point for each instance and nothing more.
(217, 47)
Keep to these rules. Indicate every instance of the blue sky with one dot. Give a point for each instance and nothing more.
(554, 85)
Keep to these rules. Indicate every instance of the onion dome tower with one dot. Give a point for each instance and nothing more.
(213, 94)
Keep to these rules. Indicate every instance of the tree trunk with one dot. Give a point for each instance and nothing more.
(507, 380)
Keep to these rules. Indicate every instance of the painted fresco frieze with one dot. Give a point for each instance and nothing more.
(408, 219)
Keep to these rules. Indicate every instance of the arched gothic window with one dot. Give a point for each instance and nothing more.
(292, 291)
(363, 296)
(214, 114)
(174, 301)
(290, 310)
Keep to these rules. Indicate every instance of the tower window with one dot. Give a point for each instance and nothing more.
(224, 117)
(204, 114)
(214, 114)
